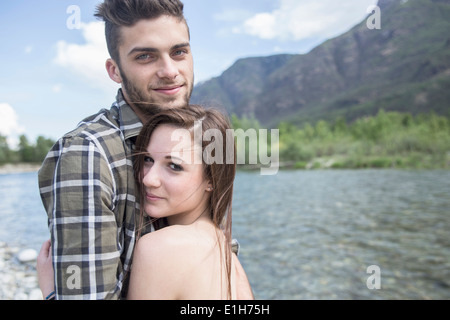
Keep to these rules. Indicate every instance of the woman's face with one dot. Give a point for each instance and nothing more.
(173, 177)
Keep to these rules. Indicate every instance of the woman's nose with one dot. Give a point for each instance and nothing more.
(152, 177)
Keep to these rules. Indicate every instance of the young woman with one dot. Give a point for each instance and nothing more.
(186, 188)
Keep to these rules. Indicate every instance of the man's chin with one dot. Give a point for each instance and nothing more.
(156, 102)
(174, 103)
(152, 108)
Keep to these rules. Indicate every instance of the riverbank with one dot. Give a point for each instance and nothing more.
(414, 161)
(338, 162)
(18, 279)
(14, 168)
(387, 140)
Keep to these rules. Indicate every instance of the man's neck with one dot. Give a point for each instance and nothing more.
(142, 116)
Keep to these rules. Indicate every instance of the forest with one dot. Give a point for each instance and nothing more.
(26, 152)
(387, 140)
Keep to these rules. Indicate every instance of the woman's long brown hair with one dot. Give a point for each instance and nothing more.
(220, 173)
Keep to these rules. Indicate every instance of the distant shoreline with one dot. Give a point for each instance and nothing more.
(318, 164)
(15, 168)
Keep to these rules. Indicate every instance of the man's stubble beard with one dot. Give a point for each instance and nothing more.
(145, 104)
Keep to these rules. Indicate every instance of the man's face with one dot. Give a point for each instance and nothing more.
(156, 64)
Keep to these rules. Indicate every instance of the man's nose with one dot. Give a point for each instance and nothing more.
(168, 68)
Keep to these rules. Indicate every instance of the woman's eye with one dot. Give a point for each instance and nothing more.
(148, 160)
(176, 167)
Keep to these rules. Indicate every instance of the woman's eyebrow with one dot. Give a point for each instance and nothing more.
(172, 158)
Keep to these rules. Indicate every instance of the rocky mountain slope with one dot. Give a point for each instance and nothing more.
(403, 66)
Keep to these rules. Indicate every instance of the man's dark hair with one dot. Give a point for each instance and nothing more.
(119, 13)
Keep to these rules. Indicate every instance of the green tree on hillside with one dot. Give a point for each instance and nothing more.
(26, 152)
(5, 152)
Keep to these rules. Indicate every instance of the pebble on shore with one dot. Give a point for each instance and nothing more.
(18, 276)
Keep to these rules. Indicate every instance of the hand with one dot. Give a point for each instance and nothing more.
(44, 267)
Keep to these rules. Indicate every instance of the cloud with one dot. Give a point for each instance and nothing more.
(232, 15)
(303, 19)
(28, 49)
(87, 60)
(9, 124)
(57, 88)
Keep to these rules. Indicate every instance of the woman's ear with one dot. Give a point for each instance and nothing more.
(209, 187)
(113, 71)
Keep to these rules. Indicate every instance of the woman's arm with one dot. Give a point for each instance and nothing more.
(155, 272)
(243, 289)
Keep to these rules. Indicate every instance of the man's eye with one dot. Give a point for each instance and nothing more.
(144, 57)
(180, 53)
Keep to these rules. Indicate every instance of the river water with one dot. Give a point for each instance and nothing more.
(312, 234)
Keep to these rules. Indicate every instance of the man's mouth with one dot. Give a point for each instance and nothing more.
(169, 90)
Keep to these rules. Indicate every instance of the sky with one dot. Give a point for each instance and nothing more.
(53, 52)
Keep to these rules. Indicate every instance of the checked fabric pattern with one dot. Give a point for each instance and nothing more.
(88, 190)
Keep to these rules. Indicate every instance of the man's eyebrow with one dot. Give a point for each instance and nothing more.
(153, 50)
(181, 45)
(141, 49)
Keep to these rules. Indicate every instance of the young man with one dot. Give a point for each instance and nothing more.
(86, 181)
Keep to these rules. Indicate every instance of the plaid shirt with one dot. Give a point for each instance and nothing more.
(87, 187)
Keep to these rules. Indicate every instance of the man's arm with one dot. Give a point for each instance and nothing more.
(76, 187)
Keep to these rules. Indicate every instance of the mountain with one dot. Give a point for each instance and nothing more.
(404, 66)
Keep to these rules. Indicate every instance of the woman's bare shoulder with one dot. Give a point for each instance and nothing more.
(176, 262)
(159, 263)
(173, 244)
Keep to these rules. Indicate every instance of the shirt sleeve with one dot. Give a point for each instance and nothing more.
(77, 188)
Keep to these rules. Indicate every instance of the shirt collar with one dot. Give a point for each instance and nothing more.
(130, 124)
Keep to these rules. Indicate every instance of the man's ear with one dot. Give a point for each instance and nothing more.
(113, 71)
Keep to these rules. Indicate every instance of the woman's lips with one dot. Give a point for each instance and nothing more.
(152, 197)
